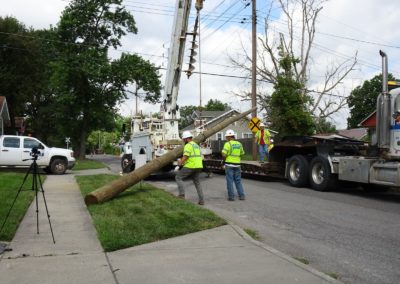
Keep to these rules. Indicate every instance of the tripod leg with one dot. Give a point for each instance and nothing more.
(45, 204)
(35, 188)
(15, 199)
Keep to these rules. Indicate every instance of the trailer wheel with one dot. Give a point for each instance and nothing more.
(298, 171)
(321, 177)
(127, 163)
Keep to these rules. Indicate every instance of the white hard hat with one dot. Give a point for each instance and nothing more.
(229, 132)
(186, 134)
(262, 124)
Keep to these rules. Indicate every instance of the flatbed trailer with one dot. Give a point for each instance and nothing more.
(291, 157)
(249, 168)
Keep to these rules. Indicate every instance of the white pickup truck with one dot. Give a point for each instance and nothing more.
(15, 151)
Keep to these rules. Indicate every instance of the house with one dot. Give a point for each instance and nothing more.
(370, 123)
(208, 119)
(354, 133)
(4, 114)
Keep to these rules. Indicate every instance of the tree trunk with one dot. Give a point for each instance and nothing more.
(82, 141)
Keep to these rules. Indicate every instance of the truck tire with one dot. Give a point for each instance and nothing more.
(58, 166)
(298, 171)
(127, 163)
(321, 177)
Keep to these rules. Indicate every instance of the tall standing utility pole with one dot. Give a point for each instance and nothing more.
(254, 69)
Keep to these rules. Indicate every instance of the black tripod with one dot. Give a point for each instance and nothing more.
(33, 169)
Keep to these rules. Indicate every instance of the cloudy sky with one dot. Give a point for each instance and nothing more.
(343, 28)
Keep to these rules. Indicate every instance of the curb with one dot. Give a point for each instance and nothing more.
(303, 266)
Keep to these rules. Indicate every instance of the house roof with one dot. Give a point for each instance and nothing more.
(4, 109)
(369, 121)
(208, 113)
(354, 133)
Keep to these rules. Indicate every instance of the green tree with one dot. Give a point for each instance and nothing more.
(216, 105)
(362, 100)
(288, 103)
(324, 126)
(40, 109)
(87, 83)
(186, 112)
(21, 68)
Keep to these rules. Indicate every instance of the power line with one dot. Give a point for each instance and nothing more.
(358, 40)
(226, 21)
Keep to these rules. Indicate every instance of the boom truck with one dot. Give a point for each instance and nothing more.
(321, 161)
(154, 137)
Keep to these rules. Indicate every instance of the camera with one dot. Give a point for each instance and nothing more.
(35, 152)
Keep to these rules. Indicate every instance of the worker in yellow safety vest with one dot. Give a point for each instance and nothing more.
(191, 166)
(263, 140)
(231, 153)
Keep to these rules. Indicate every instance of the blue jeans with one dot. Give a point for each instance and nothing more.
(263, 151)
(233, 174)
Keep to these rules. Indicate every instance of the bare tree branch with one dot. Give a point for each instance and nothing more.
(298, 41)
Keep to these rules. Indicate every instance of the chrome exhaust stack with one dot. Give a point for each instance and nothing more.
(383, 108)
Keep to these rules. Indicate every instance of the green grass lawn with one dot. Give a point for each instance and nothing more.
(9, 185)
(87, 165)
(143, 214)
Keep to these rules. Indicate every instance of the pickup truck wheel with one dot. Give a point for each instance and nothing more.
(321, 177)
(58, 166)
(127, 163)
(298, 171)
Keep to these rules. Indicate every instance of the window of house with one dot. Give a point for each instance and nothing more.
(247, 135)
(11, 142)
(219, 135)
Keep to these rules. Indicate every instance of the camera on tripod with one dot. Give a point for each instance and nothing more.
(35, 152)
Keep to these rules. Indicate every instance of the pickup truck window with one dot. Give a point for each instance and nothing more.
(11, 142)
(30, 143)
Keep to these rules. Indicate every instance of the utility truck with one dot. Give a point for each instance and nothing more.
(153, 137)
(321, 161)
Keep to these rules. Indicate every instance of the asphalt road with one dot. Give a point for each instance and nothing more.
(349, 232)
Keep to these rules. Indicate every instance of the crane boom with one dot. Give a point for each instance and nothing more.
(175, 65)
(175, 58)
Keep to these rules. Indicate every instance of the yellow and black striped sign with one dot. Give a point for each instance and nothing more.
(254, 124)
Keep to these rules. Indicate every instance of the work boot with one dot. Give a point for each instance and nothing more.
(201, 202)
(181, 196)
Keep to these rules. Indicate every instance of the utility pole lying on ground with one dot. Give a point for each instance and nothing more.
(115, 187)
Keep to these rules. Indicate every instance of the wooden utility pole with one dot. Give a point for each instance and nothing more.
(117, 186)
(254, 70)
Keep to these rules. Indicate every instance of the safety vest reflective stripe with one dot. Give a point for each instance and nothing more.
(192, 151)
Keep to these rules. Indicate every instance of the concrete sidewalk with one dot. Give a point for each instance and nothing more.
(221, 255)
